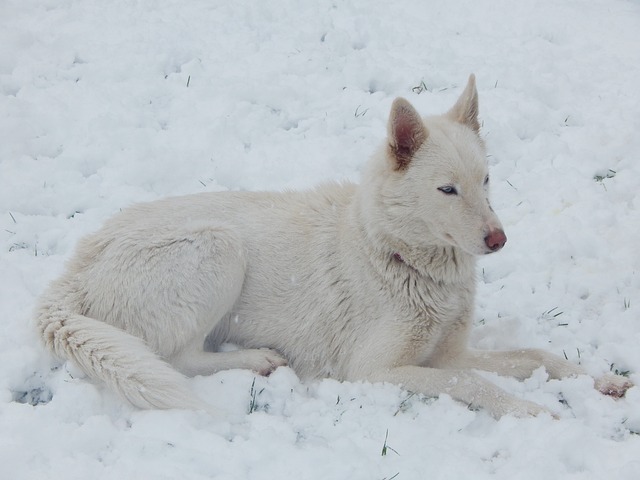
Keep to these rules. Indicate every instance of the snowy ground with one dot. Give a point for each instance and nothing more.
(103, 104)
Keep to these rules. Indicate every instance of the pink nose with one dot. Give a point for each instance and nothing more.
(495, 240)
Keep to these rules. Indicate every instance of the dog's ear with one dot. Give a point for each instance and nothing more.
(465, 110)
(406, 133)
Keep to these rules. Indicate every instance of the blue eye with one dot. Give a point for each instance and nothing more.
(448, 190)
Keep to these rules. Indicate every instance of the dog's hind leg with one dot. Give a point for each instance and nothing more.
(195, 361)
(205, 270)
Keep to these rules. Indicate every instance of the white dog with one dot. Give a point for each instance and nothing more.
(369, 282)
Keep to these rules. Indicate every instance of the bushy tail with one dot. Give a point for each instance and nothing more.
(122, 361)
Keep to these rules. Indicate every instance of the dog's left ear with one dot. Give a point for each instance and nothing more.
(406, 133)
(465, 110)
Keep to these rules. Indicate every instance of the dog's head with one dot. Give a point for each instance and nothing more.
(436, 179)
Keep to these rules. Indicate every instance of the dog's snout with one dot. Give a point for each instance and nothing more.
(495, 240)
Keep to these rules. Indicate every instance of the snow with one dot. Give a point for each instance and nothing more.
(104, 104)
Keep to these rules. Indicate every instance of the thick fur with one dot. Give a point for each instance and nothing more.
(373, 282)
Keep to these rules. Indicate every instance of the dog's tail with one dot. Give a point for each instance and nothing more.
(124, 362)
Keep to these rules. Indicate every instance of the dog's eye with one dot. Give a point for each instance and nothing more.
(486, 180)
(448, 190)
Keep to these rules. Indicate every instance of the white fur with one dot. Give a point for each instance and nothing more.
(371, 282)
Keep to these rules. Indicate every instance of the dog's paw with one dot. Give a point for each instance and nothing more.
(613, 385)
(264, 361)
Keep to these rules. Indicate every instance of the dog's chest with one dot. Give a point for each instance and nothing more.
(429, 312)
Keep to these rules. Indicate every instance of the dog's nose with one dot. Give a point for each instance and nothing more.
(495, 240)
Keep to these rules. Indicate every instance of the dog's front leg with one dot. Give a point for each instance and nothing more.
(517, 363)
(462, 385)
(521, 364)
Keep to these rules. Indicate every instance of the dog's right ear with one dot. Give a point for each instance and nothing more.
(465, 110)
(406, 133)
